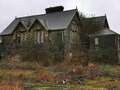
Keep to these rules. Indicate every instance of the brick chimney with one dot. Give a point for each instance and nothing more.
(54, 9)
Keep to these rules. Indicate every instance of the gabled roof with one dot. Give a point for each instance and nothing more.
(93, 24)
(51, 21)
(104, 32)
(102, 20)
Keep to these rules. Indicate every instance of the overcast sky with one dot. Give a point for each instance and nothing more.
(17, 8)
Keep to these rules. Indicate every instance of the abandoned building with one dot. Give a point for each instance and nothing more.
(64, 27)
(102, 37)
(55, 26)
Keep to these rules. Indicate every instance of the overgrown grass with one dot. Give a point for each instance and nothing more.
(70, 87)
(46, 75)
(109, 70)
(16, 74)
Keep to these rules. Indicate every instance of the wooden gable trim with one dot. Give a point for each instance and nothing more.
(76, 14)
(71, 20)
(18, 26)
(34, 23)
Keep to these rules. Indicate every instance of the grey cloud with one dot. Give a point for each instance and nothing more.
(11, 8)
(101, 7)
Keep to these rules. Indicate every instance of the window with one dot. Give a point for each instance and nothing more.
(0, 40)
(74, 38)
(119, 42)
(63, 36)
(18, 39)
(40, 37)
(71, 36)
(96, 41)
(23, 37)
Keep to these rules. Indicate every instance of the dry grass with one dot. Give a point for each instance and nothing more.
(16, 74)
(17, 85)
(10, 87)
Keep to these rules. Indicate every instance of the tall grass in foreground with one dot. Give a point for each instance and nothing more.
(10, 87)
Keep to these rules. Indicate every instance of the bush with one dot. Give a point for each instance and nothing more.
(109, 70)
(103, 56)
(40, 53)
(30, 52)
(44, 76)
(11, 75)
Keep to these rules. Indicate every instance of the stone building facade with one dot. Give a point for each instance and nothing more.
(55, 28)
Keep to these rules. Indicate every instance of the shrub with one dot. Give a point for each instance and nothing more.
(103, 56)
(109, 70)
(44, 76)
(40, 53)
(30, 52)
(11, 86)
(11, 75)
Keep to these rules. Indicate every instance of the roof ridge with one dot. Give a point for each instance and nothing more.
(43, 14)
(53, 21)
(95, 17)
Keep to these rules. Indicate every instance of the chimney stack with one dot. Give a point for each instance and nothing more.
(54, 9)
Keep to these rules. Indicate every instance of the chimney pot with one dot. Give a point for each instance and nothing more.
(54, 9)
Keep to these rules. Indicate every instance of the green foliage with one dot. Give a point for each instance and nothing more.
(54, 88)
(26, 65)
(31, 52)
(109, 70)
(70, 87)
(56, 47)
(43, 54)
(108, 83)
(103, 56)
(16, 75)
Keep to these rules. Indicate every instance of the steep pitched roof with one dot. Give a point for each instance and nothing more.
(100, 19)
(92, 24)
(51, 21)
